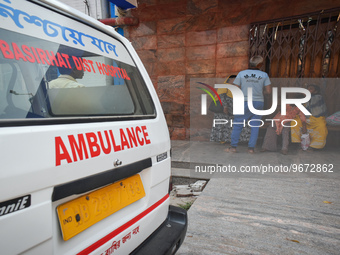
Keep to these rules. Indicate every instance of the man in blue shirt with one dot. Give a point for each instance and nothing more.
(259, 81)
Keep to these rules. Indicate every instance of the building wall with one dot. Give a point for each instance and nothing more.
(182, 39)
(94, 7)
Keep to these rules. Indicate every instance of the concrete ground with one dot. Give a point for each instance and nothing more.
(261, 213)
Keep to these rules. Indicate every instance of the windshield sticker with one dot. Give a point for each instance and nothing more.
(61, 60)
(52, 29)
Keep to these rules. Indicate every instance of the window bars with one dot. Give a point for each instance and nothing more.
(306, 46)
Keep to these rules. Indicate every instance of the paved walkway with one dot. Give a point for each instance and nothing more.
(261, 213)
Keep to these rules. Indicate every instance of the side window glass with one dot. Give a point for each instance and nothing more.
(15, 100)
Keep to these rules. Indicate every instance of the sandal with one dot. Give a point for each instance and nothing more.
(284, 152)
(251, 151)
(231, 149)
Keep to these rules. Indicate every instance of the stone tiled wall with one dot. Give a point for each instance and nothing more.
(182, 39)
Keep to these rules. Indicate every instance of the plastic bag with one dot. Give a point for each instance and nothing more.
(305, 141)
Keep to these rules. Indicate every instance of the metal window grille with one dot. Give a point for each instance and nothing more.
(306, 46)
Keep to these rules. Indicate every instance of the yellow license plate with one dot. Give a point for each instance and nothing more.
(81, 213)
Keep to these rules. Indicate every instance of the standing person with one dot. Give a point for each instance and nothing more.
(259, 81)
(222, 133)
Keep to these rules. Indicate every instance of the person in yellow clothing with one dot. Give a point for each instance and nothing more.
(316, 123)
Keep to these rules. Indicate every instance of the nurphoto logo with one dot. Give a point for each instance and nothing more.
(238, 103)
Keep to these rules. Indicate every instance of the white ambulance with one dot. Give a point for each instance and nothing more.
(84, 146)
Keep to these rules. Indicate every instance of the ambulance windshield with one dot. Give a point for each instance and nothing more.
(45, 79)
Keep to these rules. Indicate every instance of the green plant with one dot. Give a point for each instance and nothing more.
(186, 206)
